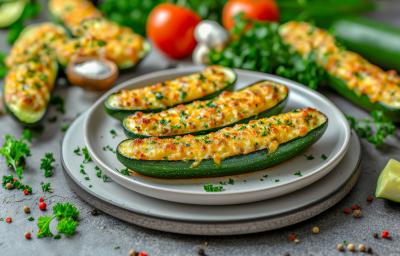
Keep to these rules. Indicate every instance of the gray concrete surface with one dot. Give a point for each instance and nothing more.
(105, 235)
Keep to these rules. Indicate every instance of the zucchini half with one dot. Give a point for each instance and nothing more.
(120, 113)
(363, 100)
(280, 91)
(258, 160)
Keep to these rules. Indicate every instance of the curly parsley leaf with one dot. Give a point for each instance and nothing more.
(46, 187)
(65, 210)
(374, 130)
(44, 226)
(46, 164)
(258, 46)
(86, 155)
(15, 151)
(67, 226)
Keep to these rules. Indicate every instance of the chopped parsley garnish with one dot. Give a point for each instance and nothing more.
(52, 119)
(67, 216)
(27, 135)
(46, 187)
(124, 171)
(374, 130)
(231, 181)
(46, 164)
(15, 152)
(77, 151)
(159, 96)
(113, 133)
(298, 173)
(109, 148)
(15, 183)
(82, 169)
(64, 127)
(31, 218)
(309, 157)
(324, 157)
(277, 180)
(213, 188)
(58, 103)
(86, 155)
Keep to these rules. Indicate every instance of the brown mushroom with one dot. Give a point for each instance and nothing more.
(92, 73)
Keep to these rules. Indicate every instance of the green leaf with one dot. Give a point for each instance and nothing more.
(44, 226)
(65, 210)
(67, 226)
(46, 164)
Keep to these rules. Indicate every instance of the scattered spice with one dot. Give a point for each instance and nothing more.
(27, 210)
(357, 213)
(351, 247)
(133, 253)
(355, 207)
(370, 198)
(8, 220)
(340, 247)
(201, 252)
(385, 234)
(346, 211)
(42, 206)
(9, 186)
(143, 253)
(26, 192)
(362, 248)
(315, 230)
(292, 237)
(370, 251)
(15, 183)
(95, 212)
(28, 236)
(375, 235)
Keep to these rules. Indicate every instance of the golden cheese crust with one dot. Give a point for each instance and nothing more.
(173, 92)
(226, 109)
(358, 74)
(265, 133)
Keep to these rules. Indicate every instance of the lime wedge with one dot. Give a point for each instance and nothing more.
(10, 12)
(388, 186)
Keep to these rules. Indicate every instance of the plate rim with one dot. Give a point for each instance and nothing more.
(122, 179)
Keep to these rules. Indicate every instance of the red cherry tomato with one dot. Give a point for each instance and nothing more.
(171, 29)
(42, 206)
(262, 10)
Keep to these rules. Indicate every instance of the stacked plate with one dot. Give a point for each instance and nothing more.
(279, 196)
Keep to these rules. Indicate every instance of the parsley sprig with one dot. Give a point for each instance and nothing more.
(374, 130)
(46, 164)
(15, 183)
(67, 216)
(15, 151)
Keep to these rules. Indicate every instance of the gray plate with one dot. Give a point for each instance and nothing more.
(207, 220)
(248, 187)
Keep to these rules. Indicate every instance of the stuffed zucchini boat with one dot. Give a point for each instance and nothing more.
(96, 36)
(350, 74)
(202, 85)
(261, 99)
(32, 72)
(232, 150)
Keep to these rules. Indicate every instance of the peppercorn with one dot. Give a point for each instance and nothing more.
(201, 252)
(355, 207)
(346, 211)
(292, 237)
(370, 251)
(27, 209)
(143, 253)
(41, 199)
(28, 236)
(375, 235)
(296, 241)
(286, 254)
(42, 206)
(351, 247)
(133, 253)
(26, 192)
(340, 247)
(357, 213)
(385, 234)
(9, 186)
(8, 220)
(315, 230)
(362, 248)
(370, 198)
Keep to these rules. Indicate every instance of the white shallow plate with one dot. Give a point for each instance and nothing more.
(162, 215)
(249, 187)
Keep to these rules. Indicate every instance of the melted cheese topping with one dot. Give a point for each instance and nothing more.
(97, 36)
(265, 133)
(33, 69)
(359, 75)
(173, 92)
(226, 109)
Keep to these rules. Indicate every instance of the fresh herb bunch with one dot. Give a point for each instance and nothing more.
(134, 13)
(46, 164)
(258, 46)
(67, 216)
(31, 10)
(374, 130)
(15, 152)
(46, 187)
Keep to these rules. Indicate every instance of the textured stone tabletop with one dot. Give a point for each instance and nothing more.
(105, 235)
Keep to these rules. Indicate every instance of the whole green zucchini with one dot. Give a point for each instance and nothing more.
(376, 41)
(203, 85)
(249, 147)
(260, 99)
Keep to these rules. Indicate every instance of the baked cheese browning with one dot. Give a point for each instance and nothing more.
(118, 44)
(173, 92)
(97, 36)
(358, 74)
(265, 133)
(228, 108)
(36, 43)
(73, 12)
